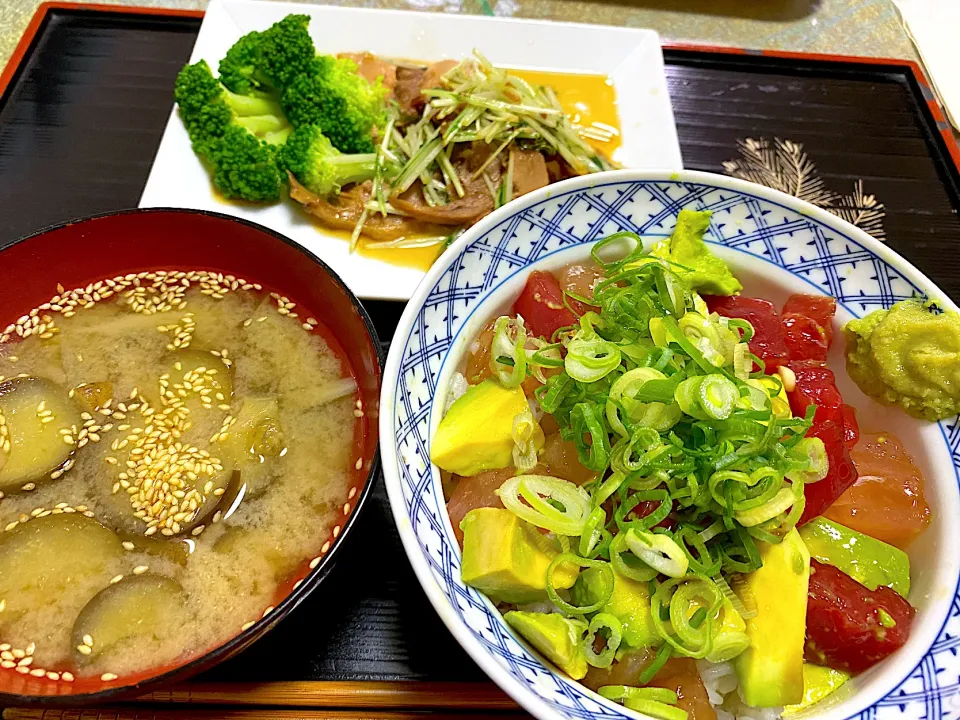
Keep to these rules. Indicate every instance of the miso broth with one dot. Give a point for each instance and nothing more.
(173, 445)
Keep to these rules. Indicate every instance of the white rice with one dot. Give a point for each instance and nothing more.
(458, 386)
(722, 687)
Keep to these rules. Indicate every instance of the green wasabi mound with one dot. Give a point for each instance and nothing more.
(908, 356)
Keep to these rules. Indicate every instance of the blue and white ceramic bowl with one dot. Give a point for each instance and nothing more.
(777, 245)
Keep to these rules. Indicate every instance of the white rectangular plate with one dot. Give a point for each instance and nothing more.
(631, 58)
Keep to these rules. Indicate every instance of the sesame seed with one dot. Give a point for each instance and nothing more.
(326, 546)
(358, 464)
(87, 640)
(140, 569)
(68, 676)
(314, 562)
(115, 579)
(107, 677)
(127, 545)
(247, 625)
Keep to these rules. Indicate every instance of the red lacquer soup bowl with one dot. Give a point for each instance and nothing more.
(85, 251)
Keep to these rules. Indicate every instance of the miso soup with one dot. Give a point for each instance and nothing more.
(173, 446)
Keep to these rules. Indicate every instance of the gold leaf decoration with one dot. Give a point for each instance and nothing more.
(862, 210)
(784, 165)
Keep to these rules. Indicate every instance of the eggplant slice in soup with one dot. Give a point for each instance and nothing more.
(137, 612)
(46, 559)
(39, 421)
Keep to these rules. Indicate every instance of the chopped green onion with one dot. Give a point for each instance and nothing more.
(886, 619)
(655, 709)
(700, 560)
(527, 435)
(605, 571)
(658, 551)
(623, 394)
(622, 692)
(649, 520)
(727, 644)
(592, 532)
(590, 357)
(810, 459)
(779, 503)
(625, 562)
(742, 363)
(680, 599)
(606, 489)
(585, 420)
(664, 653)
(535, 498)
(734, 599)
(508, 356)
(604, 658)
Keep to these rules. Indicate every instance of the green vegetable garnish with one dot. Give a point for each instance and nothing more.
(886, 619)
(699, 466)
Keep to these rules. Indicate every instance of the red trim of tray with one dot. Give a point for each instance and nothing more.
(40, 15)
(944, 126)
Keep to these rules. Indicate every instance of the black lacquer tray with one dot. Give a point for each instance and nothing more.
(84, 103)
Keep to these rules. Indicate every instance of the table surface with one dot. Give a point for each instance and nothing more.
(848, 27)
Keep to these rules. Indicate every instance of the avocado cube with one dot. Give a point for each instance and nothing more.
(506, 558)
(559, 639)
(476, 433)
(818, 682)
(869, 561)
(630, 604)
(770, 670)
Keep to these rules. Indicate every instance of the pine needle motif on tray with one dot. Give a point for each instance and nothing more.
(784, 165)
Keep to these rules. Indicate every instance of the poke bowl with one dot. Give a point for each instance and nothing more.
(771, 247)
(192, 398)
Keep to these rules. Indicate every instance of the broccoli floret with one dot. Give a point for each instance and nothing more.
(240, 68)
(245, 168)
(264, 62)
(316, 163)
(237, 135)
(342, 103)
(286, 50)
